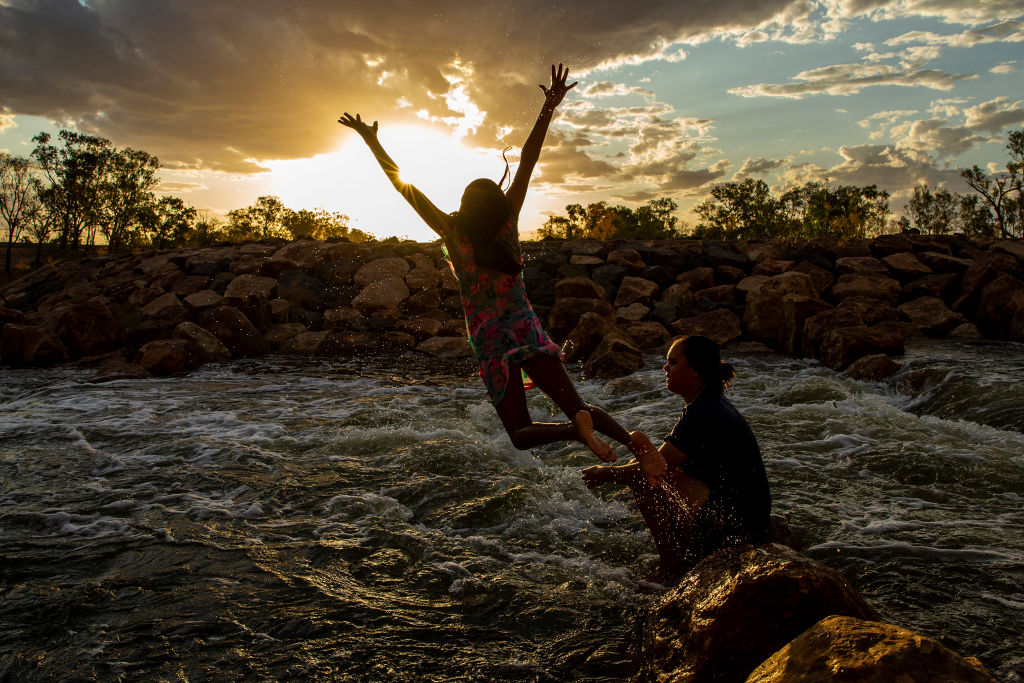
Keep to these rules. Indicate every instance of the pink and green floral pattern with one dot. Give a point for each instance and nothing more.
(501, 324)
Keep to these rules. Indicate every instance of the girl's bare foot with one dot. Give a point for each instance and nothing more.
(652, 463)
(585, 428)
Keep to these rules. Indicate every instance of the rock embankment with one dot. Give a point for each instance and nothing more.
(851, 303)
(769, 614)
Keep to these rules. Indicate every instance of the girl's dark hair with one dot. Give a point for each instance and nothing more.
(482, 215)
(703, 356)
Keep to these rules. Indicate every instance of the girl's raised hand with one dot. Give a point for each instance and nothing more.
(359, 126)
(556, 92)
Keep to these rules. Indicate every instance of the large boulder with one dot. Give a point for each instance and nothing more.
(796, 310)
(381, 269)
(615, 356)
(629, 259)
(875, 368)
(820, 324)
(940, 285)
(634, 290)
(164, 357)
(842, 346)
(997, 307)
(566, 312)
(578, 288)
(905, 267)
(736, 608)
(844, 648)
(203, 345)
(251, 294)
(932, 316)
(303, 343)
(383, 294)
(85, 328)
(762, 317)
(446, 347)
(345, 343)
(863, 265)
(647, 334)
(981, 273)
(871, 286)
(30, 345)
(165, 311)
(301, 289)
(722, 325)
(586, 335)
(235, 330)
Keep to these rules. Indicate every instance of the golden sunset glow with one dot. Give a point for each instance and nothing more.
(350, 181)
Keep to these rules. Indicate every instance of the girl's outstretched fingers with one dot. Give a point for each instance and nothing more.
(652, 462)
(585, 429)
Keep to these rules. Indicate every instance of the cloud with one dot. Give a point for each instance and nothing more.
(848, 79)
(759, 166)
(217, 85)
(1004, 68)
(996, 115)
(7, 121)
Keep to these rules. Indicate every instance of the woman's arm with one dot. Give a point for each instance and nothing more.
(431, 215)
(531, 150)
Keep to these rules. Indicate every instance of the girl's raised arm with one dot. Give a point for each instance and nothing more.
(431, 215)
(531, 150)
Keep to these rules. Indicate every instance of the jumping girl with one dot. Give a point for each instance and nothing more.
(482, 245)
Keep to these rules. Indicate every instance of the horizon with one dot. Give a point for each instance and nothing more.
(238, 104)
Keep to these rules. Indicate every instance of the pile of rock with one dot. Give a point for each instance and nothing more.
(849, 303)
(770, 614)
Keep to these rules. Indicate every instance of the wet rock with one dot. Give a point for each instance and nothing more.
(117, 368)
(762, 317)
(719, 296)
(303, 343)
(698, 278)
(85, 328)
(345, 343)
(586, 335)
(820, 324)
(419, 328)
(872, 311)
(446, 347)
(343, 318)
(615, 356)
(842, 346)
(875, 368)
(939, 285)
(632, 313)
(203, 345)
(278, 335)
(30, 345)
(965, 331)
(932, 316)
(681, 296)
(981, 273)
(164, 357)
(997, 305)
(796, 310)
(722, 325)
(851, 649)
(736, 608)
(235, 330)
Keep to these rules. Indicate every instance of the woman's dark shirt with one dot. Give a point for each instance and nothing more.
(722, 452)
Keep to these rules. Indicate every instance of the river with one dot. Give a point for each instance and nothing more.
(287, 519)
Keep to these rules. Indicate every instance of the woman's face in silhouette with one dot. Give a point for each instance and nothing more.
(680, 377)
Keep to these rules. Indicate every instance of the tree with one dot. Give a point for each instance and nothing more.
(1002, 192)
(168, 222)
(942, 212)
(18, 199)
(654, 220)
(259, 221)
(126, 195)
(319, 224)
(75, 173)
(817, 209)
(744, 210)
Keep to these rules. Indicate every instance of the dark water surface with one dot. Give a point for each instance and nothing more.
(281, 519)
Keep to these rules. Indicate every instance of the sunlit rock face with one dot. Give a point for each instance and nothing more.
(736, 608)
(844, 648)
(777, 293)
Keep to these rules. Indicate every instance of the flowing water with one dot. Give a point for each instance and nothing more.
(369, 520)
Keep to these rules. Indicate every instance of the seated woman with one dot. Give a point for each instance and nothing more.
(716, 491)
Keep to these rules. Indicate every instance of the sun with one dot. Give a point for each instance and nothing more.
(349, 180)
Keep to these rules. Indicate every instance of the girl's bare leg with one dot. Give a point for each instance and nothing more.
(525, 433)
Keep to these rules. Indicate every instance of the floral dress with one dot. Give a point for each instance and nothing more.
(501, 324)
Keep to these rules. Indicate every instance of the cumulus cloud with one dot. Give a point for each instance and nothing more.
(996, 115)
(1004, 68)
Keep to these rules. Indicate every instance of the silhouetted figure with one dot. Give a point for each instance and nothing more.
(716, 491)
(482, 245)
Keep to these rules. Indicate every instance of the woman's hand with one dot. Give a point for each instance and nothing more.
(553, 95)
(359, 126)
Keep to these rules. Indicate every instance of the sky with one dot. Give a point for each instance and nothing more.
(240, 98)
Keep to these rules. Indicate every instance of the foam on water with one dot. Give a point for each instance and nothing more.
(256, 505)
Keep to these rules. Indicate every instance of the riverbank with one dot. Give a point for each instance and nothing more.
(850, 304)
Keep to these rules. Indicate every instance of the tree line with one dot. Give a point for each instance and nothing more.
(749, 210)
(70, 191)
